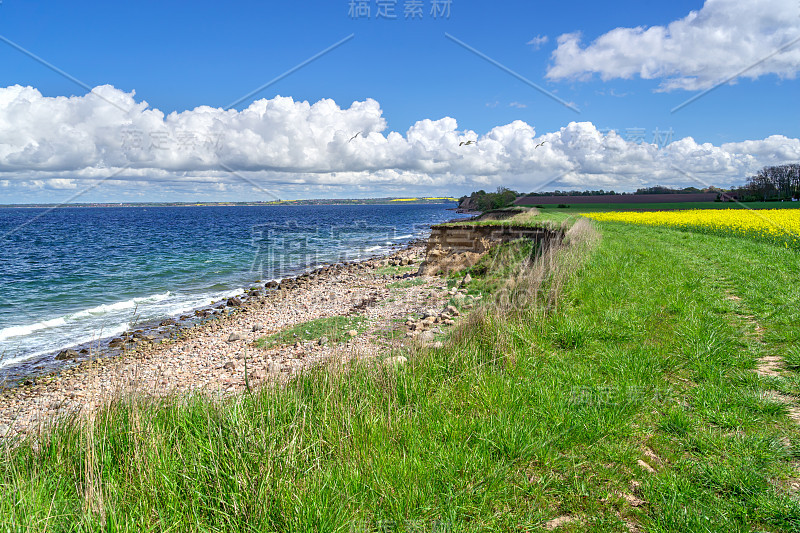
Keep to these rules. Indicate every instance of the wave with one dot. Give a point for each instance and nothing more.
(120, 306)
(93, 312)
(19, 331)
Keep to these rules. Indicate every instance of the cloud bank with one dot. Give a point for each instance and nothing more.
(725, 38)
(283, 148)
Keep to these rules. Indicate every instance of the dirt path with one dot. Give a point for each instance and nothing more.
(769, 365)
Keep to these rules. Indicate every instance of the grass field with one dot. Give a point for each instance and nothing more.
(613, 387)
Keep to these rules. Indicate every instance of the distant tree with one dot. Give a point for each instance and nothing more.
(772, 183)
(486, 201)
(504, 197)
(572, 193)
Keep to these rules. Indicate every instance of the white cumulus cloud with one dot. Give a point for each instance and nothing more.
(289, 149)
(748, 38)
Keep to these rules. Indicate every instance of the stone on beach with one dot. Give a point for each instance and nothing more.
(258, 375)
(66, 354)
(235, 336)
(426, 336)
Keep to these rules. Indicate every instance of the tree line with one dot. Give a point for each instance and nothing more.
(780, 182)
(771, 183)
(486, 201)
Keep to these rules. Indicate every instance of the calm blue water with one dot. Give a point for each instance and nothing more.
(72, 275)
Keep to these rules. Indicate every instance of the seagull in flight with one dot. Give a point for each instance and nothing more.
(540, 144)
(354, 136)
(466, 143)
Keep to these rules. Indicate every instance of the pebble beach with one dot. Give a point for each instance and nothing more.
(393, 305)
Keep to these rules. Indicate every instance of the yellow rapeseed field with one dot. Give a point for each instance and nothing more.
(426, 198)
(780, 226)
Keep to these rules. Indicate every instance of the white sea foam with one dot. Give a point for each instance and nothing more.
(93, 312)
(27, 329)
(119, 306)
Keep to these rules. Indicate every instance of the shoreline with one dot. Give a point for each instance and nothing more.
(156, 330)
(210, 357)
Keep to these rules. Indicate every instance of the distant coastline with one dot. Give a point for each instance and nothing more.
(326, 201)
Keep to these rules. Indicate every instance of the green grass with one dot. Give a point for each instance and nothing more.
(406, 283)
(390, 270)
(791, 357)
(525, 415)
(494, 268)
(335, 328)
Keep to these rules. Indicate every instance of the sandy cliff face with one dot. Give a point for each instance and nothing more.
(467, 205)
(455, 247)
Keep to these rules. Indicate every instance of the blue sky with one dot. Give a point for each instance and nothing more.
(178, 57)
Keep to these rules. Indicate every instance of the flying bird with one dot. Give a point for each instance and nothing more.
(354, 136)
(467, 143)
(540, 144)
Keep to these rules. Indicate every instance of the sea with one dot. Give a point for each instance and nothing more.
(76, 276)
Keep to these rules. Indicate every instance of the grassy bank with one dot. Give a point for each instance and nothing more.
(611, 386)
